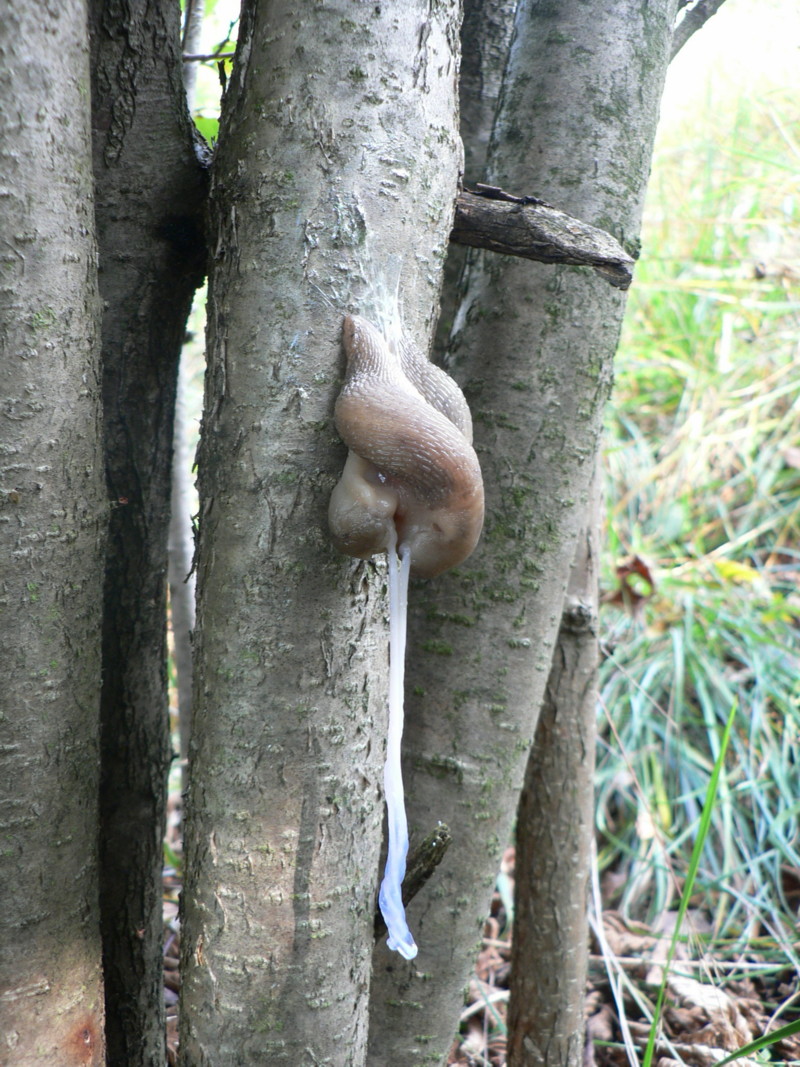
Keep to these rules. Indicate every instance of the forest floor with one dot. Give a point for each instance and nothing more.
(714, 1005)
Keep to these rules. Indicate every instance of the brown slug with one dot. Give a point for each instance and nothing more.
(411, 464)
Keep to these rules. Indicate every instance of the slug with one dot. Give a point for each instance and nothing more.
(411, 462)
(411, 487)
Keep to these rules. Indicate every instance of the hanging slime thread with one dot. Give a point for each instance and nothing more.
(411, 487)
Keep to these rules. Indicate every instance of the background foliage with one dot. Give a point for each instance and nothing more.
(703, 476)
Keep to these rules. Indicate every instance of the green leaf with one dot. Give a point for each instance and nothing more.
(207, 127)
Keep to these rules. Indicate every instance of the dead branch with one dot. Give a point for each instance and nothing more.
(524, 226)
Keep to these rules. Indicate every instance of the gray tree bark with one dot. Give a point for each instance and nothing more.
(485, 35)
(149, 187)
(338, 164)
(555, 826)
(533, 347)
(52, 523)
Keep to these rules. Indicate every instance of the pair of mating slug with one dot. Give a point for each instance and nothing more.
(411, 487)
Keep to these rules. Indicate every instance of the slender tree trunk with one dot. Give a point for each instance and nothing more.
(335, 179)
(554, 834)
(193, 15)
(149, 201)
(181, 575)
(533, 346)
(181, 533)
(52, 522)
(485, 35)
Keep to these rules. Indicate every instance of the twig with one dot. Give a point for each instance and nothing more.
(422, 862)
(695, 18)
(191, 57)
(488, 217)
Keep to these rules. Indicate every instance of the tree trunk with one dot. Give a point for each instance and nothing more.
(52, 522)
(335, 181)
(533, 346)
(554, 834)
(191, 36)
(485, 35)
(149, 189)
(181, 576)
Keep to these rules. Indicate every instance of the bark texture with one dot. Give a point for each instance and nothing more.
(526, 227)
(485, 35)
(533, 347)
(149, 188)
(554, 835)
(52, 520)
(338, 163)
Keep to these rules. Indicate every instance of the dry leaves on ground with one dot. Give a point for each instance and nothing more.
(713, 1005)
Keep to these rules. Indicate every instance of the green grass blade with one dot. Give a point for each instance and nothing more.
(694, 864)
(763, 1042)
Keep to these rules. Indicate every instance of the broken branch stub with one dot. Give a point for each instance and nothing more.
(524, 226)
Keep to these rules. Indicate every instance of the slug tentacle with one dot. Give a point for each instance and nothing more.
(412, 428)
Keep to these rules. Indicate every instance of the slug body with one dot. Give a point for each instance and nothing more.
(411, 464)
(411, 487)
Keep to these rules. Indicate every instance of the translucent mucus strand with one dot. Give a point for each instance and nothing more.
(390, 897)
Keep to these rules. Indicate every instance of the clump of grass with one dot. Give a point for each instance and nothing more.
(703, 473)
